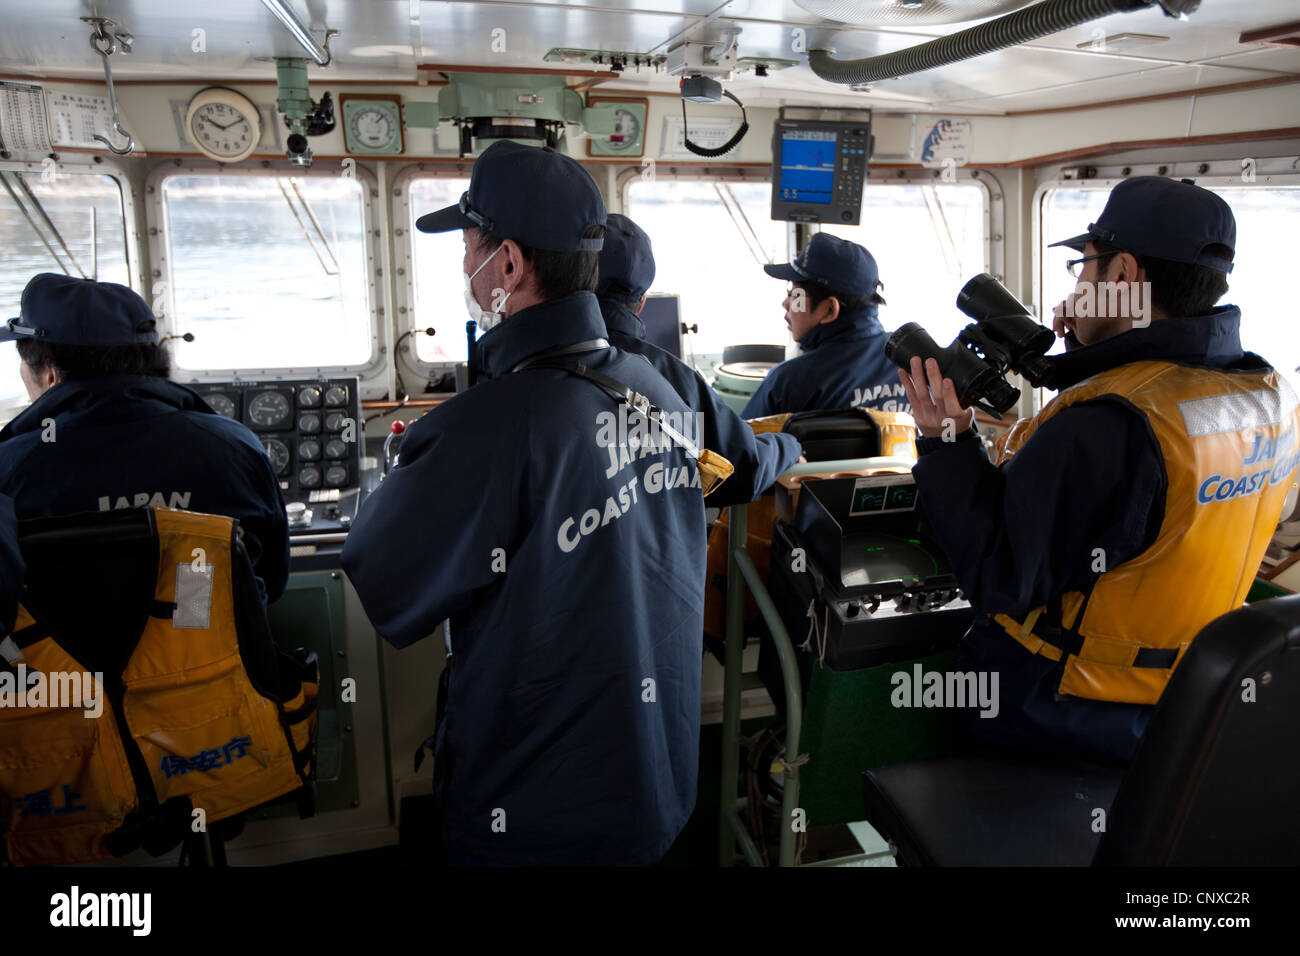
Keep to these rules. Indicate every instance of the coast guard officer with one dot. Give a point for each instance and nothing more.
(107, 430)
(1135, 507)
(831, 312)
(627, 269)
(571, 570)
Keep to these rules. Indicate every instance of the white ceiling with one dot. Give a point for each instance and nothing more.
(385, 40)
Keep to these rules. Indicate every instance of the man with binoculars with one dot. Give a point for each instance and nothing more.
(1136, 506)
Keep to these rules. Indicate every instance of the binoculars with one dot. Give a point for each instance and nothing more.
(1004, 336)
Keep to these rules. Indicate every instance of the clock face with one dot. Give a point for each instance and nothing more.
(372, 127)
(223, 124)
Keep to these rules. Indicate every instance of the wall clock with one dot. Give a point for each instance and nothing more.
(223, 124)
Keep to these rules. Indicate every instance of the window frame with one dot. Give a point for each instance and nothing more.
(413, 368)
(96, 166)
(376, 292)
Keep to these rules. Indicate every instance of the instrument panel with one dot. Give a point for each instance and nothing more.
(312, 432)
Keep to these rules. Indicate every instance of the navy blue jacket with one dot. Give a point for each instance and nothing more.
(758, 459)
(133, 440)
(843, 365)
(573, 579)
(1091, 477)
(11, 566)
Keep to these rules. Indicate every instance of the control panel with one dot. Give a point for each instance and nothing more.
(312, 432)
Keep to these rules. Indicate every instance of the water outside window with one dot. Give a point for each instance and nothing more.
(928, 241)
(45, 226)
(267, 271)
(1267, 218)
(438, 266)
(711, 241)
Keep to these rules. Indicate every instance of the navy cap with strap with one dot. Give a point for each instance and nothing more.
(531, 194)
(1163, 218)
(836, 263)
(69, 311)
(627, 263)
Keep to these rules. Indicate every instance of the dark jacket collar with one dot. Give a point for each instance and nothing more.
(621, 320)
(113, 390)
(1206, 341)
(547, 325)
(849, 327)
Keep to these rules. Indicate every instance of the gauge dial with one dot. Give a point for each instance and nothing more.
(627, 130)
(372, 127)
(336, 395)
(309, 423)
(335, 422)
(309, 477)
(334, 448)
(268, 409)
(309, 397)
(278, 452)
(221, 403)
(336, 476)
(308, 450)
(223, 124)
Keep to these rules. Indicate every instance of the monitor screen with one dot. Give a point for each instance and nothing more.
(818, 170)
(662, 318)
(807, 165)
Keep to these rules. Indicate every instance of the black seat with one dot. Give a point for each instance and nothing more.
(1214, 782)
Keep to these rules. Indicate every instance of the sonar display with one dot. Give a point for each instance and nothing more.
(807, 166)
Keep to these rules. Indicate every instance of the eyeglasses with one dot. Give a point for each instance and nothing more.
(1075, 266)
(480, 220)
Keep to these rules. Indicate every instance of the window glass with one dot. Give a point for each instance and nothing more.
(268, 271)
(1267, 219)
(711, 240)
(439, 265)
(46, 226)
(928, 241)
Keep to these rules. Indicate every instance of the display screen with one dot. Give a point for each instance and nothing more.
(807, 166)
(661, 317)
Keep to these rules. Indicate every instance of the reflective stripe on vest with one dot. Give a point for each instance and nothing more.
(206, 734)
(1229, 445)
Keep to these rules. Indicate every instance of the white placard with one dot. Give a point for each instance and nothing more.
(75, 118)
(709, 133)
(948, 139)
(22, 117)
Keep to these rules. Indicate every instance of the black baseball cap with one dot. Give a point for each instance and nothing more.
(627, 263)
(68, 311)
(1171, 219)
(531, 194)
(838, 264)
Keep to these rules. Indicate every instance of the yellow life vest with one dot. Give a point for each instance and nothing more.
(1228, 441)
(89, 768)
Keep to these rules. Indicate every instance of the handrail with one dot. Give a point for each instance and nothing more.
(742, 573)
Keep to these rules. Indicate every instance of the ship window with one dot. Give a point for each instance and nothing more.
(266, 271)
(54, 221)
(438, 266)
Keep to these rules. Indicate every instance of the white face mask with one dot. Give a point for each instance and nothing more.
(486, 320)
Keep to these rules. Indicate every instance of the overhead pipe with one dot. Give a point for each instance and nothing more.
(295, 26)
(1040, 20)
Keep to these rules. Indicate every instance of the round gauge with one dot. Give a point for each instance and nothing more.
(336, 476)
(335, 422)
(334, 448)
(308, 450)
(627, 130)
(309, 397)
(336, 395)
(268, 408)
(221, 403)
(309, 477)
(309, 423)
(278, 452)
(223, 124)
(372, 127)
